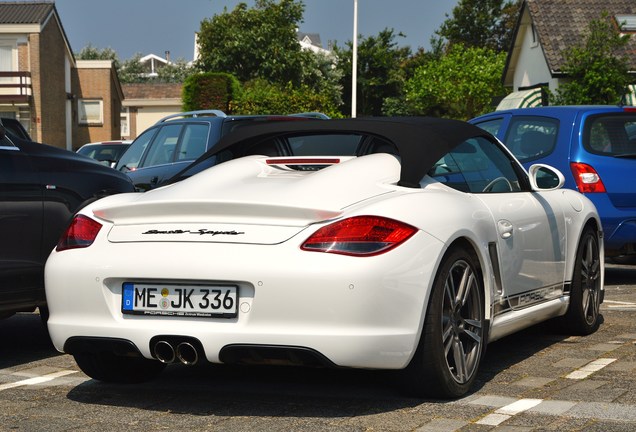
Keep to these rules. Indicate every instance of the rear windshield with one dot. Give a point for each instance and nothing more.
(611, 134)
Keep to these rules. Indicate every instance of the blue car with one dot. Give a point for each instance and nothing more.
(595, 149)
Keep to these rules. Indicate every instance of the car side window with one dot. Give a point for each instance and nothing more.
(531, 138)
(477, 165)
(193, 142)
(162, 148)
(491, 126)
(130, 159)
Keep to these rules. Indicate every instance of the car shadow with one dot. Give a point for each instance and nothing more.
(271, 391)
(25, 339)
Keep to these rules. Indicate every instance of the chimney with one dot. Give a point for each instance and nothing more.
(168, 56)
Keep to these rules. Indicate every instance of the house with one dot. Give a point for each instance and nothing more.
(544, 32)
(311, 42)
(146, 103)
(59, 100)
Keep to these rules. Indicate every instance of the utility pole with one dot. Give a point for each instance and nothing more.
(354, 63)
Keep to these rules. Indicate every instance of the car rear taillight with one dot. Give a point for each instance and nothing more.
(359, 236)
(586, 178)
(80, 233)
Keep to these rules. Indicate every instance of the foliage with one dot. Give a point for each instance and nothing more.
(132, 71)
(460, 84)
(597, 69)
(89, 52)
(254, 43)
(209, 91)
(175, 72)
(380, 75)
(262, 97)
(480, 23)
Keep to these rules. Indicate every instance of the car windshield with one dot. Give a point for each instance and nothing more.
(611, 135)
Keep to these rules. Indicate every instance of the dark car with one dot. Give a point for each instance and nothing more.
(175, 141)
(15, 128)
(595, 149)
(106, 152)
(41, 188)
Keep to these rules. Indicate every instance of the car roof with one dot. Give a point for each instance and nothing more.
(557, 110)
(421, 141)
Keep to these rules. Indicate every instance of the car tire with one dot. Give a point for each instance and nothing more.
(452, 344)
(108, 367)
(583, 316)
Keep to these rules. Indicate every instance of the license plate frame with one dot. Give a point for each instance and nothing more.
(179, 300)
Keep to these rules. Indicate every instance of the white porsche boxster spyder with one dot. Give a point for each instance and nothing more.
(393, 243)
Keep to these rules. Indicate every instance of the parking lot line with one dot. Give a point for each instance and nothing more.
(36, 380)
(590, 368)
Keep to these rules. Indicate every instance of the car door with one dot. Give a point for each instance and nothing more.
(21, 219)
(530, 226)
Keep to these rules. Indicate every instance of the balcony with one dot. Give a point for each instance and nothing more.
(15, 87)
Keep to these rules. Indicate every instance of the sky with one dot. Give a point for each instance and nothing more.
(130, 27)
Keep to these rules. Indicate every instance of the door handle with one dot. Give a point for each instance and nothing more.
(505, 228)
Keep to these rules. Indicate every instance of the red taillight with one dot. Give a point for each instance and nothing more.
(80, 233)
(359, 236)
(586, 178)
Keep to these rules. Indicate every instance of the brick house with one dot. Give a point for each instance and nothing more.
(146, 103)
(544, 31)
(59, 100)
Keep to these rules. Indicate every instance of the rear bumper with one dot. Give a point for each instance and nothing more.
(354, 312)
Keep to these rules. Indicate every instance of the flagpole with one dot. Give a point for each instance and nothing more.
(354, 62)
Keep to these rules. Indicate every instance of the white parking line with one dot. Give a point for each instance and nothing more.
(590, 368)
(506, 412)
(613, 304)
(36, 380)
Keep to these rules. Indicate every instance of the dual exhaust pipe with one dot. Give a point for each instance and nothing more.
(167, 352)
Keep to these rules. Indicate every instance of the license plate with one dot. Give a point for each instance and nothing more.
(179, 300)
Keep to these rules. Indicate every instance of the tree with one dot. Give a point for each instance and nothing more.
(380, 75)
(132, 71)
(460, 84)
(89, 52)
(480, 23)
(598, 69)
(254, 43)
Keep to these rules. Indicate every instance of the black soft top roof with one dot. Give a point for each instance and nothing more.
(421, 141)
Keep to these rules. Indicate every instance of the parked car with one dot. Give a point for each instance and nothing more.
(41, 187)
(106, 152)
(593, 146)
(169, 146)
(14, 127)
(403, 244)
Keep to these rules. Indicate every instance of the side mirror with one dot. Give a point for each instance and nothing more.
(545, 178)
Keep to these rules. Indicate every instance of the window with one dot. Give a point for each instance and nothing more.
(125, 122)
(162, 148)
(193, 142)
(130, 159)
(477, 166)
(91, 111)
(491, 126)
(531, 138)
(612, 135)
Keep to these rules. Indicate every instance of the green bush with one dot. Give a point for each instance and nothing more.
(261, 97)
(210, 90)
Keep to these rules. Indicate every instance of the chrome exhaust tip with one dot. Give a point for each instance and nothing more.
(164, 352)
(187, 353)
